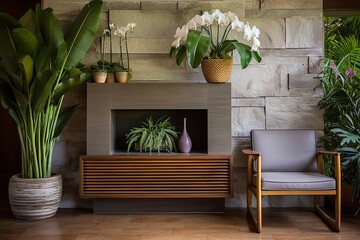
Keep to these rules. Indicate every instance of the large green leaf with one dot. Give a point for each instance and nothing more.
(51, 30)
(25, 41)
(62, 120)
(67, 84)
(7, 47)
(42, 88)
(30, 21)
(244, 52)
(197, 45)
(43, 60)
(82, 33)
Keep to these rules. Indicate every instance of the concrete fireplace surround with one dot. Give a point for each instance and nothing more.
(104, 99)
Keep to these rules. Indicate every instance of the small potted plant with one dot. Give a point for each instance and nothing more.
(153, 136)
(122, 71)
(204, 40)
(99, 72)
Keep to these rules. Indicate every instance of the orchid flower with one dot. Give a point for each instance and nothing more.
(207, 18)
(350, 73)
(237, 25)
(111, 26)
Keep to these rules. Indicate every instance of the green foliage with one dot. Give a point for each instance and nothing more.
(153, 136)
(341, 104)
(38, 65)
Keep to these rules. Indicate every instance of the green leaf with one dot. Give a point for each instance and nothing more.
(256, 56)
(172, 51)
(51, 29)
(25, 41)
(28, 20)
(244, 52)
(62, 120)
(26, 65)
(67, 84)
(41, 89)
(82, 32)
(7, 48)
(180, 55)
(43, 60)
(197, 45)
(227, 46)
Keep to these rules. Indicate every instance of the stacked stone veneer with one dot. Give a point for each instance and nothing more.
(280, 92)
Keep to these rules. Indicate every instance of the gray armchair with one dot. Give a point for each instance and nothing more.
(286, 162)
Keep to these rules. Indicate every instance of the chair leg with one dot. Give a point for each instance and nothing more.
(338, 210)
(258, 219)
(259, 213)
(333, 224)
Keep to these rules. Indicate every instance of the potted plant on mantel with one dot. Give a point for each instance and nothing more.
(122, 72)
(38, 65)
(204, 40)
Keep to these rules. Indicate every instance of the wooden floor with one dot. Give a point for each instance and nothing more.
(279, 224)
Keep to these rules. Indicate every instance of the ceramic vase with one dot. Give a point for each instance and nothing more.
(99, 77)
(184, 143)
(110, 77)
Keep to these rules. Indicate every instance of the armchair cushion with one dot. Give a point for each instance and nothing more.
(285, 150)
(295, 181)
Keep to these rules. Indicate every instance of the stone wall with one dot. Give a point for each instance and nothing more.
(278, 93)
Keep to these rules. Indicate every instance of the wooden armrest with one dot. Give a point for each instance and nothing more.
(250, 152)
(330, 153)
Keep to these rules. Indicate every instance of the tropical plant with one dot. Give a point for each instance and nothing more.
(206, 36)
(153, 136)
(38, 65)
(341, 104)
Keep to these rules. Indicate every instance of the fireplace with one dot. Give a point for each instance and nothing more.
(113, 109)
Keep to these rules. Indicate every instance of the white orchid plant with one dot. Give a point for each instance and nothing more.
(122, 32)
(206, 36)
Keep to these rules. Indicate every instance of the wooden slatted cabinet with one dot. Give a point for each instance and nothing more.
(156, 176)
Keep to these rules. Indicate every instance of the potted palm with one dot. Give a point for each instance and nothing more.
(38, 65)
(204, 40)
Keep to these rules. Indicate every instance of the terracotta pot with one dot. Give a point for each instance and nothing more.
(99, 77)
(121, 77)
(217, 70)
(36, 198)
(110, 77)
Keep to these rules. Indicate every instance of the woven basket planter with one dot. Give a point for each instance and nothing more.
(217, 70)
(33, 199)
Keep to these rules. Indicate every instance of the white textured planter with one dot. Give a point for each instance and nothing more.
(33, 199)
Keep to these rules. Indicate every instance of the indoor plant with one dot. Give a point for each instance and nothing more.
(39, 64)
(204, 40)
(157, 136)
(123, 72)
(341, 104)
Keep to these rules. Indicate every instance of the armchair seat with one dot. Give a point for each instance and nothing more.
(295, 181)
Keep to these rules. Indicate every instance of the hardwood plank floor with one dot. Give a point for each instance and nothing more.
(279, 224)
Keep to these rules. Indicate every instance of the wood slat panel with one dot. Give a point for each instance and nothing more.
(158, 176)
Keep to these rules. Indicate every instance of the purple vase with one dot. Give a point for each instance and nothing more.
(184, 143)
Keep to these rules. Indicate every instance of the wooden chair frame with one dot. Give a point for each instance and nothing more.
(333, 224)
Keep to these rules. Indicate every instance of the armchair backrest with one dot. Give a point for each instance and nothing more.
(285, 150)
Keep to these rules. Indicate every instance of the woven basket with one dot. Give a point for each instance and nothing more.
(33, 199)
(217, 70)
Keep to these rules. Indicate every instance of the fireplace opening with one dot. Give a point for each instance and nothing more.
(197, 125)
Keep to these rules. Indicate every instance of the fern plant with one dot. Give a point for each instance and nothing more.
(153, 136)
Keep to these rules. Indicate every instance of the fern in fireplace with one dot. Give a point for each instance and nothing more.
(153, 136)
